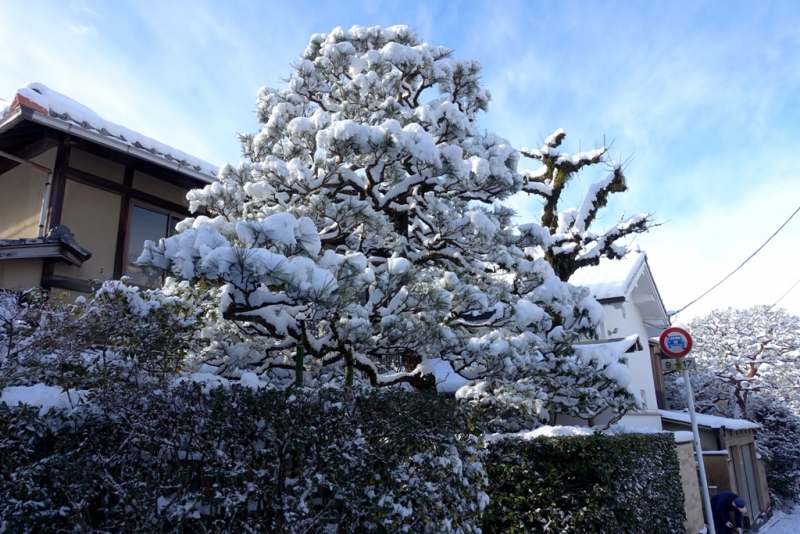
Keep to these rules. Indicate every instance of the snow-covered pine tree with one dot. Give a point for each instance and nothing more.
(742, 353)
(778, 441)
(569, 244)
(366, 231)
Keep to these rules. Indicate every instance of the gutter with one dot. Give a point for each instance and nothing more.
(12, 119)
(48, 187)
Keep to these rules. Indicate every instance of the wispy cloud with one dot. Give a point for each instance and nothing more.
(79, 30)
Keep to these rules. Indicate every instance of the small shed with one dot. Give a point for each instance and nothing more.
(730, 459)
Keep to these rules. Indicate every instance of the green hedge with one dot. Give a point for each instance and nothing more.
(188, 459)
(626, 483)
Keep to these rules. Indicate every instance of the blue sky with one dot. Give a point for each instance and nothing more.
(703, 97)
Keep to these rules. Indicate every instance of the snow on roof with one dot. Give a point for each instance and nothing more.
(611, 278)
(710, 421)
(558, 431)
(611, 346)
(64, 109)
(682, 436)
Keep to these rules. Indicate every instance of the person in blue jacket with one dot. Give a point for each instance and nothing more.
(722, 504)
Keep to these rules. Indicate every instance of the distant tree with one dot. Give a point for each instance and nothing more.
(741, 353)
(568, 242)
(778, 442)
(366, 234)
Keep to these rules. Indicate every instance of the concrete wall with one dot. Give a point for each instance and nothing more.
(693, 502)
(21, 198)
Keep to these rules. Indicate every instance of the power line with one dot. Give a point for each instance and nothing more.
(780, 299)
(742, 265)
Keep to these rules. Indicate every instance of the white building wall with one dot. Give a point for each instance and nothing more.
(624, 319)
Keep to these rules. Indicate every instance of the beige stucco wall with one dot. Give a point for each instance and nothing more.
(22, 190)
(93, 216)
(21, 274)
(148, 184)
(83, 161)
(693, 502)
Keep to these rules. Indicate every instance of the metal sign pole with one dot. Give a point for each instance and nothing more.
(699, 453)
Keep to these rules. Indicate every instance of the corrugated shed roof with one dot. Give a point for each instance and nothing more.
(60, 107)
(611, 278)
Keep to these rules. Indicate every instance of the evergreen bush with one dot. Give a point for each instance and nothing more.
(194, 458)
(625, 483)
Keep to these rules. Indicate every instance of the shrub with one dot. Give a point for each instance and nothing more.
(189, 458)
(594, 483)
(121, 333)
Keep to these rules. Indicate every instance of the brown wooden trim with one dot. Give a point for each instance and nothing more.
(658, 377)
(7, 165)
(95, 181)
(37, 148)
(124, 223)
(160, 203)
(68, 283)
(59, 186)
(48, 269)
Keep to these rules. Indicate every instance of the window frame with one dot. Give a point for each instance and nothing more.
(132, 205)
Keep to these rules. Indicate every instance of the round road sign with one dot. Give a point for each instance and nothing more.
(675, 342)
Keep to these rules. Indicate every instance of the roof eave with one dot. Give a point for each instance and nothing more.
(12, 118)
(654, 288)
(44, 250)
(111, 143)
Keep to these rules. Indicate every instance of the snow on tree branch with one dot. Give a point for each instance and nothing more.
(570, 244)
(365, 234)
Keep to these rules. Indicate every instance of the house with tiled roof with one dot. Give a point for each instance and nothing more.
(79, 195)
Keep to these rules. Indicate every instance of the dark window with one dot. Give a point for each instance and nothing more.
(147, 224)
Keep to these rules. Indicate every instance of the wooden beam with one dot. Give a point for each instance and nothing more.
(59, 186)
(37, 148)
(68, 283)
(124, 224)
(125, 188)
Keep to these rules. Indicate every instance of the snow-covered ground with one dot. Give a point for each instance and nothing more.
(782, 523)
